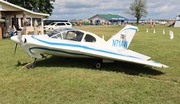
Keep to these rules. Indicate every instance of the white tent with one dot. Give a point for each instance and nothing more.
(177, 23)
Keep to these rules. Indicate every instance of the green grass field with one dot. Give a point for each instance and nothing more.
(57, 80)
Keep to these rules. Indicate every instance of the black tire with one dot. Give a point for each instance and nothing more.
(98, 64)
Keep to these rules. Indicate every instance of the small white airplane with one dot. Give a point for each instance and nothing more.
(70, 42)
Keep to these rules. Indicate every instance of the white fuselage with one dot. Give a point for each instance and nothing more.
(42, 44)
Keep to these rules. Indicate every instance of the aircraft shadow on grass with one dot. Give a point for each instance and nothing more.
(122, 67)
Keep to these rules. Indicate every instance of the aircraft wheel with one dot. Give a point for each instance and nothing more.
(98, 65)
(30, 66)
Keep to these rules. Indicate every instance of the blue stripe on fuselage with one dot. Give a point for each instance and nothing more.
(55, 50)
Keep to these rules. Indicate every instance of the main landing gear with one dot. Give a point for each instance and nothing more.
(98, 64)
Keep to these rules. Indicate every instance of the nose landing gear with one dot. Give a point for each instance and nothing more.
(32, 64)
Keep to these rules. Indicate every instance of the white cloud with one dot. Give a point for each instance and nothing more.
(83, 9)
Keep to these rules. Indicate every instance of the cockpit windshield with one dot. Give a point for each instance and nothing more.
(67, 34)
(55, 34)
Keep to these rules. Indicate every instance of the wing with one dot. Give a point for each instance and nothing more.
(126, 55)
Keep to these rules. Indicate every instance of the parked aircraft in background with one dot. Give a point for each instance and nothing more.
(70, 42)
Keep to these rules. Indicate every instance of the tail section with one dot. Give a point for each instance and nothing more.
(123, 38)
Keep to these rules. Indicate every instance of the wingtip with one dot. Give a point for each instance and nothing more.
(164, 66)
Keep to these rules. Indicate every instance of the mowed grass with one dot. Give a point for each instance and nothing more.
(63, 80)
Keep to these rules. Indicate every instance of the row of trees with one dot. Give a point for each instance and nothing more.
(42, 6)
(137, 9)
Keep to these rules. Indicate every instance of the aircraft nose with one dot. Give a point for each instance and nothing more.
(15, 39)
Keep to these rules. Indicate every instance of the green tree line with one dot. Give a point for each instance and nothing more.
(41, 6)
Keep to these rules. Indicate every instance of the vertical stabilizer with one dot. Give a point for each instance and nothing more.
(123, 38)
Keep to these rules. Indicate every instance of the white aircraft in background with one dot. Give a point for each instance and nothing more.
(70, 42)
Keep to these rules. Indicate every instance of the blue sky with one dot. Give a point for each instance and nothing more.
(84, 9)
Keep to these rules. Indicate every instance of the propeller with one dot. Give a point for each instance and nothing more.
(15, 47)
(17, 37)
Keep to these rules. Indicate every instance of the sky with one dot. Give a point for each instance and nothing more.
(84, 9)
